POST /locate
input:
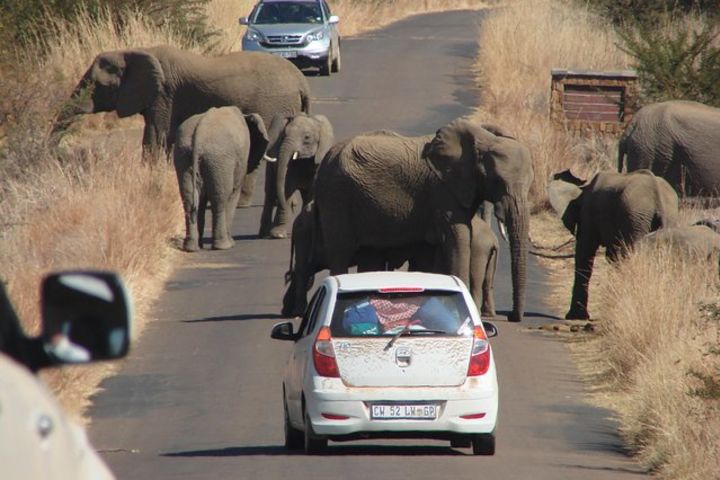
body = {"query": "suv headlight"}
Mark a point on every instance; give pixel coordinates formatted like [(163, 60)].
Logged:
[(253, 35), (316, 35)]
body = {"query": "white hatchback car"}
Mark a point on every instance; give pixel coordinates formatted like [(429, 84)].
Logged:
[(390, 355)]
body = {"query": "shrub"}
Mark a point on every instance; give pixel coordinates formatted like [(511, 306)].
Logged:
[(678, 61)]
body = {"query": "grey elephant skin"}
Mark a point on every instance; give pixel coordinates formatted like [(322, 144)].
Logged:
[(298, 143), (307, 258), (167, 85), (613, 210), (694, 240), (214, 153), (384, 190), (678, 141)]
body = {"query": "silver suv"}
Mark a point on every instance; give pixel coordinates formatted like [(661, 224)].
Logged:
[(303, 31)]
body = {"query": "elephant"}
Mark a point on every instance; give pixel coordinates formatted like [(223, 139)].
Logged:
[(167, 85), (679, 141), (384, 190), (614, 210), (307, 258), (698, 240), (215, 151), (298, 143)]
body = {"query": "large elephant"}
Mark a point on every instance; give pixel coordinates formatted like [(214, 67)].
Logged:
[(214, 152), (614, 210), (167, 85), (678, 141), (298, 143), (382, 190), (307, 258)]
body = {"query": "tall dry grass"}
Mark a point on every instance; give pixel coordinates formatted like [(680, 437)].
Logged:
[(519, 45), (656, 357), (659, 344)]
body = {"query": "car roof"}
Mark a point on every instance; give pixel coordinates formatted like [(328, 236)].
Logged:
[(353, 282)]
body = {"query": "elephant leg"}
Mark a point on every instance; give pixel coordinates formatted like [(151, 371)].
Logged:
[(191, 204), (270, 201), (248, 189), (457, 251), (488, 286), (221, 240), (201, 211), (279, 229), (585, 249)]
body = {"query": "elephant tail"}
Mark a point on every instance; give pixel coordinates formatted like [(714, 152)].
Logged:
[(305, 101), (196, 152)]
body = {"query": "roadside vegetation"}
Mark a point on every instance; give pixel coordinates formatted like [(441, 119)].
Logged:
[(87, 203), (655, 356)]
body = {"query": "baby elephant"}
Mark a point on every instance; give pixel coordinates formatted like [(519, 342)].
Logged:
[(214, 151), (699, 240)]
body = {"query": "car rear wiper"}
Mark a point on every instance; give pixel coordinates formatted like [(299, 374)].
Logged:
[(407, 331)]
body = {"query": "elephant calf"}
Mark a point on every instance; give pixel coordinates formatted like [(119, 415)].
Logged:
[(696, 240), (298, 143), (214, 152), (614, 210), (307, 257)]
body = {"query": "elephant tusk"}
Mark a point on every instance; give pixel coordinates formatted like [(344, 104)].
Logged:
[(503, 230), (295, 155), (269, 159)]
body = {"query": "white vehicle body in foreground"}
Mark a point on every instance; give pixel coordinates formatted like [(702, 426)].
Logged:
[(419, 365)]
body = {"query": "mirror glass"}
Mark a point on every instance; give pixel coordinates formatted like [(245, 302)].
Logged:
[(86, 316), (283, 331), (490, 329)]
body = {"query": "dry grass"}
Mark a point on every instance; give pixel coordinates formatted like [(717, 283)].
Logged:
[(519, 46), (655, 358)]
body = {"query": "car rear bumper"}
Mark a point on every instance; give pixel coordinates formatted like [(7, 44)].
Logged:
[(355, 404)]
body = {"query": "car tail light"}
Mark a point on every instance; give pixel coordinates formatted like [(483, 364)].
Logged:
[(324, 354), (480, 353)]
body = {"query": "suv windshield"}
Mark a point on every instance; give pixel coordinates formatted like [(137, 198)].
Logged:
[(362, 314), (288, 12)]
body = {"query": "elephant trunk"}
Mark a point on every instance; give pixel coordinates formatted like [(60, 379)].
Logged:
[(518, 223), (286, 153), (80, 102)]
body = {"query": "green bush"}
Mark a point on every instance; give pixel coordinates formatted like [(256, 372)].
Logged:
[(676, 63), (624, 12)]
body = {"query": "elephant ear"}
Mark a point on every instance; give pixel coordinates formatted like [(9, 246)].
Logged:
[(275, 133), (141, 82), (258, 140), (564, 192), (327, 138)]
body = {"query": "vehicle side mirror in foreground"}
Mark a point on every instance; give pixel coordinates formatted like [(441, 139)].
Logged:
[(243, 20), (87, 316), (490, 329), (333, 19), (283, 331)]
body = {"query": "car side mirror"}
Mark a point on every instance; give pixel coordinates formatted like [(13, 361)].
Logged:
[(490, 329), (243, 20), (283, 331), (87, 316), (333, 19)]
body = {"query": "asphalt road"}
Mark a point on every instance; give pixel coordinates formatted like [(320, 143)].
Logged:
[(199, 397)]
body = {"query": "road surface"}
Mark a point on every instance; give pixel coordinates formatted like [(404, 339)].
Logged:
[(199, 397)]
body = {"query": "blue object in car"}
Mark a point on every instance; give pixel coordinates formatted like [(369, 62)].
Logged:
[(436, 316), (361, 319)]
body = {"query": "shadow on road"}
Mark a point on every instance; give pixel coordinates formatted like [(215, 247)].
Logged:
[(502, 314), (234, 318), (332, 450)]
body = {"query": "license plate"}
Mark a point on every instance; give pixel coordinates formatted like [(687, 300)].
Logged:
[(285, 54), (413, 412)]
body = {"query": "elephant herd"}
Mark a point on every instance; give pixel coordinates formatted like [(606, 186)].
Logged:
[(379, 199)]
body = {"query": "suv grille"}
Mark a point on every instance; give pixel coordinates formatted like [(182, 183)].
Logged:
[(279, 40)]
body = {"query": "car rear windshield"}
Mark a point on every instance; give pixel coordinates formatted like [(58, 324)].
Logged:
[(288, 12), (362, 314)]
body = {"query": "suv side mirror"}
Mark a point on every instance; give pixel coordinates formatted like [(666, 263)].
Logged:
[(243, 20), (283, 331), (333, 19), (86, 316)]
